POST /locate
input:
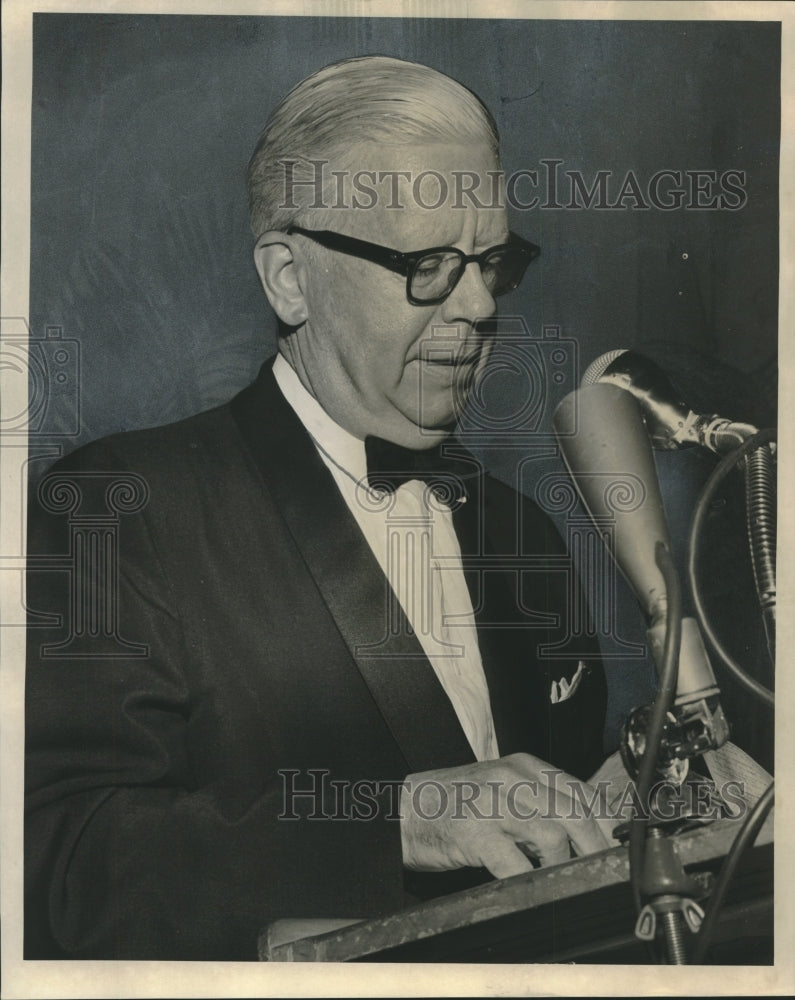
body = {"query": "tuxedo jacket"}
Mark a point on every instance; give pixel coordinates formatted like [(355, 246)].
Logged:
[(219, 710)]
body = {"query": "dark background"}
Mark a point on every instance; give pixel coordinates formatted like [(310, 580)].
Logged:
[(141, 253)]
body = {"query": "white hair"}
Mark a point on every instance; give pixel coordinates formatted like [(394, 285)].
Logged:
[(374, 99)]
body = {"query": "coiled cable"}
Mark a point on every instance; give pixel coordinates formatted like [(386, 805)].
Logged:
[(720, 472)]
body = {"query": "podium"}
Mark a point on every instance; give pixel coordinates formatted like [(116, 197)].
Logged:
[(580, 911)]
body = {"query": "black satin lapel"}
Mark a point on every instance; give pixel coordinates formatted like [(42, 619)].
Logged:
[(355, 590), (505, 648)]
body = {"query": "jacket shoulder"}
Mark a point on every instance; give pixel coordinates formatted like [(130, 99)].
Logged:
[(154, 449), (168, 474)]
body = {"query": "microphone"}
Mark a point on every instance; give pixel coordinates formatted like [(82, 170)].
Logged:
[(670, 421), (605, 445), (672, 424), (606, 449)]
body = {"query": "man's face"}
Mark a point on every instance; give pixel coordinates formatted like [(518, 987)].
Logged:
[(376, 363)]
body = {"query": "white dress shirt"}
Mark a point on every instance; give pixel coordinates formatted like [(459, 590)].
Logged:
[(411, 535)]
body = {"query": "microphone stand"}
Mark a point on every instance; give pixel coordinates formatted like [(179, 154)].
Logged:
[(611, 438), (656, 873)]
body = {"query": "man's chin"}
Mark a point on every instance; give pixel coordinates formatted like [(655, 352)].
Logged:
[(431, 436), (439, 414), (420, 437)]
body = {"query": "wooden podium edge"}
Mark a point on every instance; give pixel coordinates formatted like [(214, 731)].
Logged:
[(356, 939)]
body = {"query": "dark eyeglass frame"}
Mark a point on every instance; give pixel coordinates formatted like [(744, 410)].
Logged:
[(406, 263)]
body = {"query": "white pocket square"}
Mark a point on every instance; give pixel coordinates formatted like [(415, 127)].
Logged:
[(562, 690)]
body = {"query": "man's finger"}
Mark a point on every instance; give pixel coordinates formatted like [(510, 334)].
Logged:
[(586, 835), (557, 805), (549, 842), (607, 825), (503, 858), (573, 809)]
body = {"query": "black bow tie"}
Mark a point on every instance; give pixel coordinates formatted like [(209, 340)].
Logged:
[(390, 465)]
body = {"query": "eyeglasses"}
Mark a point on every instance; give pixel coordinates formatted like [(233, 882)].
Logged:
[(431, 275)]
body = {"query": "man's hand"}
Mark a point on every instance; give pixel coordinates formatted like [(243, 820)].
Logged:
[(477, 814)]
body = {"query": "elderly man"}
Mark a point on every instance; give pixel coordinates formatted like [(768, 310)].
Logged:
[(316, 686)]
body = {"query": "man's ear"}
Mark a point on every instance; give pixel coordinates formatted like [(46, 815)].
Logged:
[(278, 271)]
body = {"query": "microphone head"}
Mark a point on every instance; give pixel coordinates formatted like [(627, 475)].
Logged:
[(596, 369), (670, 421), (606, 448)]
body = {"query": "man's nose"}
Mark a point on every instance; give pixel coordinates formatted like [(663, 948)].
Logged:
[(470, 299)]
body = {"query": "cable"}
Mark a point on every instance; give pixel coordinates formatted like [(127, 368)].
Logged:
[(750, 828), (760, 509), (662, 704), (720, 472)]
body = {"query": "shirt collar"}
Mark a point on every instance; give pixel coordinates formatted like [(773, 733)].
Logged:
[(341, 447)]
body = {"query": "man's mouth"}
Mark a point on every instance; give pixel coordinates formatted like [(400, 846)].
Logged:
[(446, 361)]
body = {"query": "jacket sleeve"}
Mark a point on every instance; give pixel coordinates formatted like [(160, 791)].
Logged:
[(130, 851)]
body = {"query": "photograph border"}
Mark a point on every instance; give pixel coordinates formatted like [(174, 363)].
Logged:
[(21, 979)]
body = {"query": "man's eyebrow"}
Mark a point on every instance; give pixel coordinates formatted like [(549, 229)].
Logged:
[(500, 241)]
